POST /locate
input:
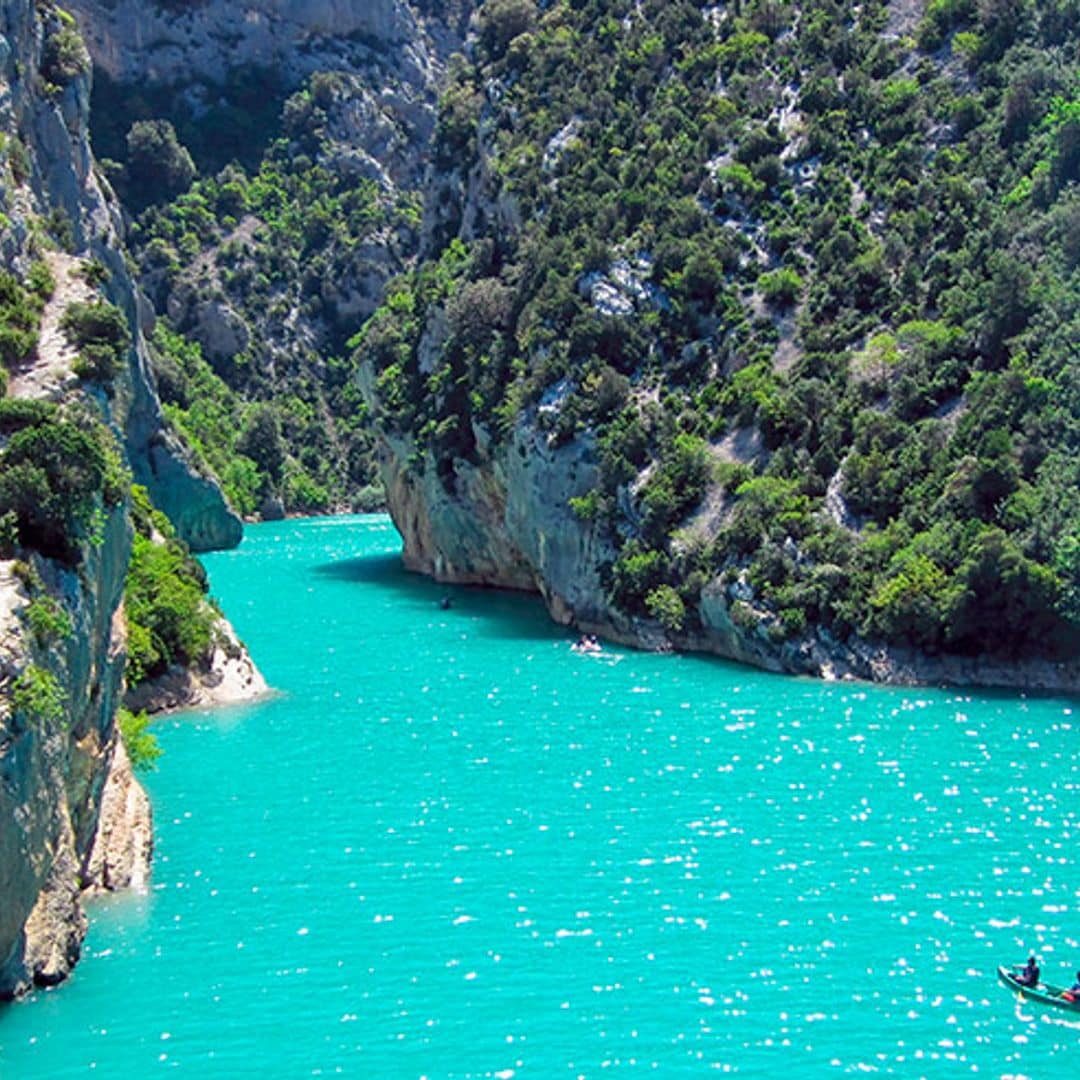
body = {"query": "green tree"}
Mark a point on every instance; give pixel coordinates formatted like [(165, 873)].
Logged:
[(158, 166), (666, 606), (262, 442), (913, 604), (37, 696), (169, 621), (141, 745), (503, 20), (64, 56), (1007, 603)]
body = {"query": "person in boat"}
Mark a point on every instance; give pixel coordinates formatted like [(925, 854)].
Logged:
[(1073, 993), (1029, 975), (587, 643)]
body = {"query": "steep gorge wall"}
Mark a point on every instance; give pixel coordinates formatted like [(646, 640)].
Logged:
[(72, 817), (479, 508), (392, 51), (134, 41), (58, 836), (505, 521)]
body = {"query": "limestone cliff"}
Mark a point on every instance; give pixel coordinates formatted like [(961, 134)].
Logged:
[(640, 367), (71, 816), (134, 41), (390, 52), (507, 522), (56, 759)]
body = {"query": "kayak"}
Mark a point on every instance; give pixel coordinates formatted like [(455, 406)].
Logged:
[(1044, 993)]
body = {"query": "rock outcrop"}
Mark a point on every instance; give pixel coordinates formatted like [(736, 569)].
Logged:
[(227, 677), (120, 857), (135, 41), (72, 818), (57, 765), (505, 521)]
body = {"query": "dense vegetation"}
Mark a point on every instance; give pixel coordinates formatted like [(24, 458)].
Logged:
[(271, 260), (851, 246), (100, 332), (60, 472), (169, 619)]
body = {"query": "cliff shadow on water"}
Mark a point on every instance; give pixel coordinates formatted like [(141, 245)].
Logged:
[(503, 613)]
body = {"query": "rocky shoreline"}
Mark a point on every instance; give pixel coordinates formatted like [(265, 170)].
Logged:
[(228, 677), (508, 524)]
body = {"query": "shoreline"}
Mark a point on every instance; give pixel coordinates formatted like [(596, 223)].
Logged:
[(230, 677), (816, 655)]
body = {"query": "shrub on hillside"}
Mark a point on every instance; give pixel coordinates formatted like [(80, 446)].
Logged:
[(101, 333), (56, 475), (141, 745), (169, 619), (37, 697), (64, 56), (48, 621), (159, 165), (20, 313)]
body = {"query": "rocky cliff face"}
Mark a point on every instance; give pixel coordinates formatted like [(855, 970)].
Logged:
[(61, 833), (390, 50), (506, 521), (72, 817), (134, 41), (616, 378)]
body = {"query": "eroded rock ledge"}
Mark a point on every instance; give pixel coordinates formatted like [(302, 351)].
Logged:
[(120, 857), (505, 521), (229, 677)]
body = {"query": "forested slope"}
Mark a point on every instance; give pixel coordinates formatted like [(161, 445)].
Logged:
[(800, 280), (274, 189)]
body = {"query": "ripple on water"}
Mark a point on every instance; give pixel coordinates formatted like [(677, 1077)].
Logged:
[(454, 848)]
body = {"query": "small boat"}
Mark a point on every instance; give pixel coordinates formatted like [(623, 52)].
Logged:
[(587, 643), (1044, 993)]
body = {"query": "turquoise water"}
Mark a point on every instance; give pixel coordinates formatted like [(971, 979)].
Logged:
[(453, 848)]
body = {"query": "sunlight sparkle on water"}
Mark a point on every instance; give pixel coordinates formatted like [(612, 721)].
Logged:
[(453, 848)]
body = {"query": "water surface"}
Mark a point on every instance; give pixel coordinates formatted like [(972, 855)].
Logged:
[(453, 848)]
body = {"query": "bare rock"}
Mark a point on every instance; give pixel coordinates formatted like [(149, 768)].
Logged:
[(220, 330), (133, 40), (57, 924), (230, 677), (120, 857)]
